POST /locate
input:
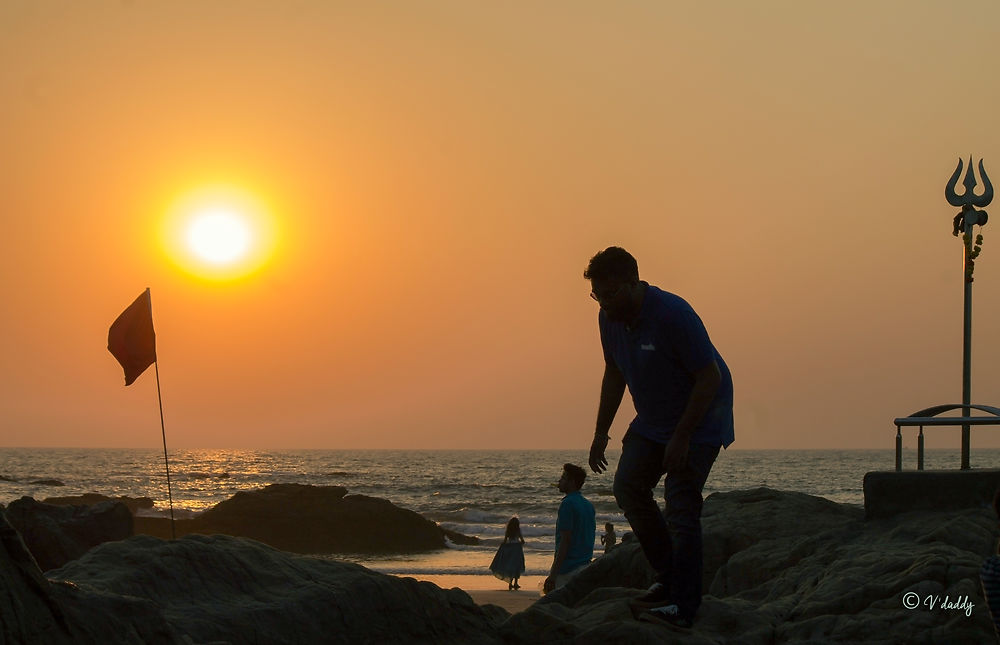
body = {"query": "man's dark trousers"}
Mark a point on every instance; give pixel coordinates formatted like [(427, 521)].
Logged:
[(671, 540)]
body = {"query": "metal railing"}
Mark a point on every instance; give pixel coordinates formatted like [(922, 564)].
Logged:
[(928, 417)]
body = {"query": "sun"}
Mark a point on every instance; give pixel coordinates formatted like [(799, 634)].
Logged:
[(219, 233), (219, 236)]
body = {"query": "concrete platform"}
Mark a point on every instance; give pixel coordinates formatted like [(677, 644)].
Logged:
[(888, 493)]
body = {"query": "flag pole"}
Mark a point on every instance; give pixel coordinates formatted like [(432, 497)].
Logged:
[(173, 532), (163, 431)]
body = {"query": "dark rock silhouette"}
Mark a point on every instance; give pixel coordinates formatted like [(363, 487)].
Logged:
[(88, 499), (224, 589), (57, 534), (787, 568), (47, 482), (34, 610), (313, 519)]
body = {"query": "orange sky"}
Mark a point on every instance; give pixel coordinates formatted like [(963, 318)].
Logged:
[(440, 174)]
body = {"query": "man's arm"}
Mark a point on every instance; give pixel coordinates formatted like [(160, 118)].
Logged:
[(557, 561), (706, 384), (612, 391)]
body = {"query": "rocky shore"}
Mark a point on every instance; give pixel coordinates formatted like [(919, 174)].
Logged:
[(780, 567), (313, 519), (291, 517)]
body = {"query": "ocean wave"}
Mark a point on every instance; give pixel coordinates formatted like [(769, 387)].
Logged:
[(180, 513), (496, 512), (197, 475), (462, 547), (473, 515)]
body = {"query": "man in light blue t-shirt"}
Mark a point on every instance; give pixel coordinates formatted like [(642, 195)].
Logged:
[(575, 529)]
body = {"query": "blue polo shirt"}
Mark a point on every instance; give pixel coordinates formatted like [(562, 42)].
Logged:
[(576, 514), (659, 357)]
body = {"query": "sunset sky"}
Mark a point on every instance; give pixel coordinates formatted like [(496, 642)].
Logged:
[(426, 182)]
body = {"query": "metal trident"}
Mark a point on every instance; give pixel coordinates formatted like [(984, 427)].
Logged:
[(969, 198), (968, 217)]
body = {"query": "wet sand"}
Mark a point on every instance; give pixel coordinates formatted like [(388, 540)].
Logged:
[(488, 590), (512, 601)]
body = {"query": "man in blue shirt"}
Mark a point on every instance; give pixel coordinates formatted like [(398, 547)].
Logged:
[(656, 345), (576, 527)]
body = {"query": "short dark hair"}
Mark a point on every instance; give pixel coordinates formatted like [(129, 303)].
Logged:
[(615, 263), (577, 474)]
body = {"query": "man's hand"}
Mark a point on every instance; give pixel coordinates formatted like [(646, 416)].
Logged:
[(675, 456), (598, 463), (550, 583)]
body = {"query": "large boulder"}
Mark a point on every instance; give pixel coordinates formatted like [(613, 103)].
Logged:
[(134, 504), (794, 569), (219, 588), (27, 611), (57, 534), (34, 610), (731, 522), (313, 519)]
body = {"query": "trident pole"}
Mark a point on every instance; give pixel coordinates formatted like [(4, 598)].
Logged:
[(964, 223), (966, 344)]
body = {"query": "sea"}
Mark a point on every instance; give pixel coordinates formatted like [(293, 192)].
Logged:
[(474, 492)]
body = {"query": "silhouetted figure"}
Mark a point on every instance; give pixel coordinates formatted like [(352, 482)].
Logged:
[(575, 530), (608, 539), (508, 563), (656, 344)]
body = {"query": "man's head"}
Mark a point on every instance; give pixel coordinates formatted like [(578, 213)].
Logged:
[(614, 282), (572, 478)]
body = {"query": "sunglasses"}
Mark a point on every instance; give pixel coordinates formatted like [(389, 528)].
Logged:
[(606, 297)]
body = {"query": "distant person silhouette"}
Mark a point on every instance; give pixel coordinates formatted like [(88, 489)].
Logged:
[(608, 539), (575, 530), (655, 344), (508, 563)]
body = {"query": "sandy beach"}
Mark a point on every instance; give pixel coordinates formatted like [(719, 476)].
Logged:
[(512, 601), (489, 590)]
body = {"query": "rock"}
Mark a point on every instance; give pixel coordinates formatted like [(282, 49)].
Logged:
[(89, 499), (220, 588), (604, 616), (735, 521), (731, 522), (28, 613), (33, 610), (47, 482), (58, 534), (314, 519), (793, 569)]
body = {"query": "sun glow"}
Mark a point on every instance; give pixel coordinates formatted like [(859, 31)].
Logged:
[(219, 236), (219, 233)]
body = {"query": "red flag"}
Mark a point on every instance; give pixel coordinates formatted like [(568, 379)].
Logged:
[(131, 339)]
